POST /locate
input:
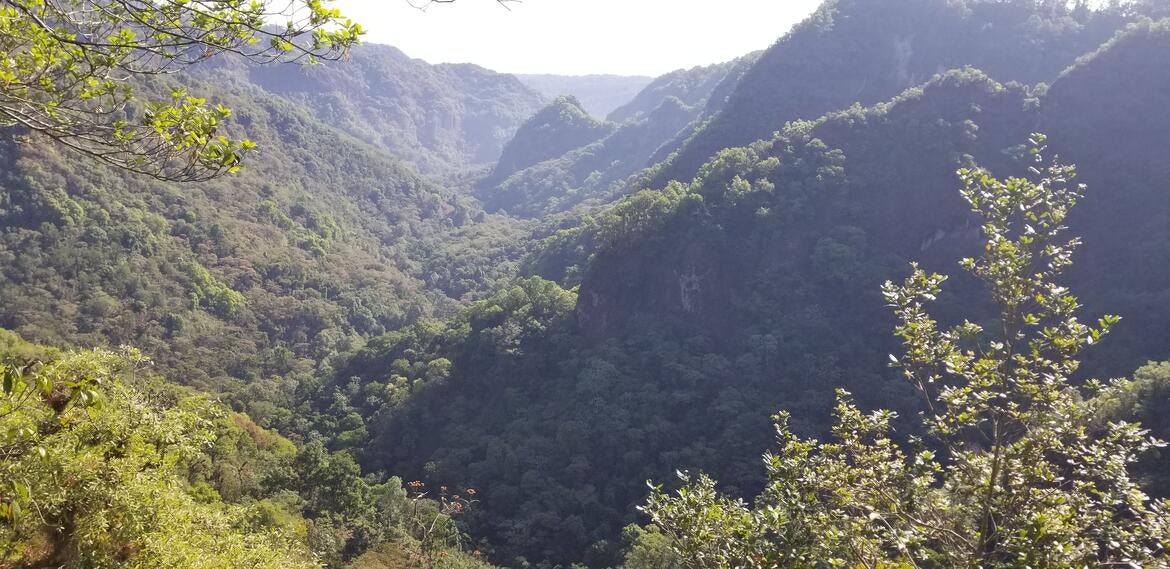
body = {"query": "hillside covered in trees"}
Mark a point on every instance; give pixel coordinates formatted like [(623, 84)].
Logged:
[(440, 319), (596, 168)]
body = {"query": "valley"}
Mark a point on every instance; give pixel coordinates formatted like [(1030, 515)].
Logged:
[(447, 317)]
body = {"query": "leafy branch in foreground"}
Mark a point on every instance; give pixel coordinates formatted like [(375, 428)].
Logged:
[(1013, 476), (70, 70)]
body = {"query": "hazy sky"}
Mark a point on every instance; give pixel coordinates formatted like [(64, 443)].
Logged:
[(576, 37)]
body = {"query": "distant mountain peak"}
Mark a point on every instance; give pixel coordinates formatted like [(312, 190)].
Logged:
[(556, 129)]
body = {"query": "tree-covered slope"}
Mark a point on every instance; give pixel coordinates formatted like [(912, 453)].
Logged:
[(1100, 112), (660, 361), (690, 86), (599, 94), (267, 272), (649, 127), (891, 198), (705, 307), (1015, 467), (558, 128), (868, 51), (590, 171), (442, 118), (371, 315), (107, 465)]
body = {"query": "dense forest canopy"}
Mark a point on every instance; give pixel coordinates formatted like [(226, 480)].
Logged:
[(377, 313)]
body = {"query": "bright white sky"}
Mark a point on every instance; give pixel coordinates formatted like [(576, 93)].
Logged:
[(578, 37)]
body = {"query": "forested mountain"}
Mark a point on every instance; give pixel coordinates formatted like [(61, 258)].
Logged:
[(125, 469), (588, 171), (866, 51), (705, 306), (693, 87), (599, 94), (246, 288), (327, 240), (649, 128), (441, 118), (428, 273), (978, 120), (233, 281), (558, 128)]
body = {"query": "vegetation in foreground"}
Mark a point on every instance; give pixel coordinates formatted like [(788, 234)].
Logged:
[(299, 291), (105, 464), (1015, 470)]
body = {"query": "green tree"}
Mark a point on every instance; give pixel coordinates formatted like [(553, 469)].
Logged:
[(90, 471), (1013, 475), (648, 548), (1146, 399), (72, 67)]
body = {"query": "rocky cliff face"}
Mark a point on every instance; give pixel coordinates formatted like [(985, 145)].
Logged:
[(688, 286)]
